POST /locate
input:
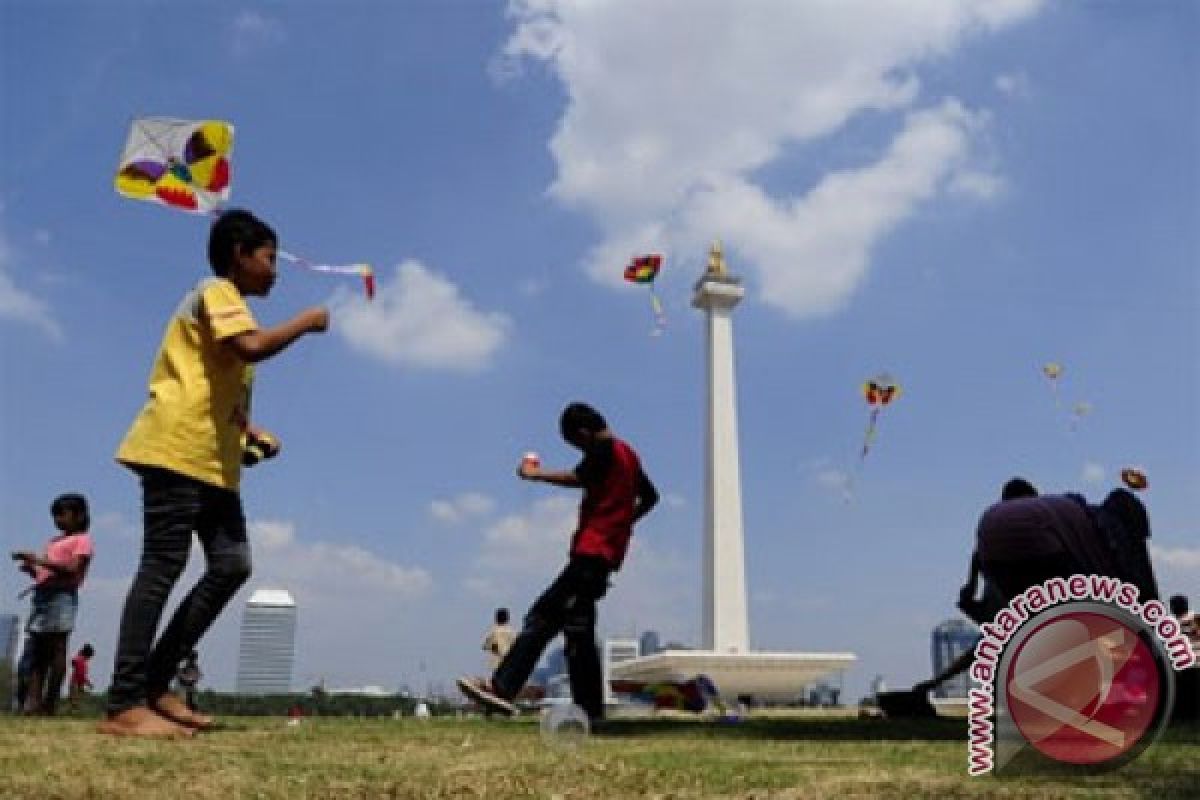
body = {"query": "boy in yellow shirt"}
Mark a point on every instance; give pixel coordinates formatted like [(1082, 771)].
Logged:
[(186, 447)]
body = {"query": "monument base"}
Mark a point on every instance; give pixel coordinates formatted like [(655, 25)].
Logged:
[(767, 676)]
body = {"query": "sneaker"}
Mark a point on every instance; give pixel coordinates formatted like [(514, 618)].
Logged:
[(482, 692)]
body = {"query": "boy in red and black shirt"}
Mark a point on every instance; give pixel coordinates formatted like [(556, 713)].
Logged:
[(616, 494)]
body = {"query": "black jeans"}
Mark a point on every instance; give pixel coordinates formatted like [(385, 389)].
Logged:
[(567, 606), (174, 506)]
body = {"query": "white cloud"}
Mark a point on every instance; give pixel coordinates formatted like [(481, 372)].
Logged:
[(1178, 558), (305, 568), (253, 31), (669, 155), (1013, 84), (461, 507), (20, 306), (420, 319), (1093, 473)]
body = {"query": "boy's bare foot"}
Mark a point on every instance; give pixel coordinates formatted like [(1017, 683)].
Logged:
[(141, 721), (174, 709)]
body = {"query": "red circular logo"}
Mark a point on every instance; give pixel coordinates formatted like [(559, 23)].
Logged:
[(1083, 688)]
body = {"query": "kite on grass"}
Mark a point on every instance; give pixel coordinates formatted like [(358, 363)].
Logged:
[(644, 269), (693, 695), (185, 164)]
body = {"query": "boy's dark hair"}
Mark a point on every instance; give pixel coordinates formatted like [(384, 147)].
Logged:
[(1018, 487), (1178, 604), (501, 616), (70, 501), (580, 416), (86, 651), (233, 229)]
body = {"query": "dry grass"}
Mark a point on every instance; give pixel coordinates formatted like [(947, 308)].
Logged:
[(774, 757)]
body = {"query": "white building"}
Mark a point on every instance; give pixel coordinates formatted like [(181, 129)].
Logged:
[(268, 643), (615, 651)]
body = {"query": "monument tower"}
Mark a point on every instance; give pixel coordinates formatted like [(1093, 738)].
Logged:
[(725, 655), (724, 626)]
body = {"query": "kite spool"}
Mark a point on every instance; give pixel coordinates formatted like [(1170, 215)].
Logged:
[(258, 448)]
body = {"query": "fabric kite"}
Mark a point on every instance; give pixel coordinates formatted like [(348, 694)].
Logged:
[(644, 270), (879, 392), (1134, 478), (185, 164), (177, 162)]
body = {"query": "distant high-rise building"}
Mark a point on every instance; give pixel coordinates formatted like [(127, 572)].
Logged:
[(268, 643), (616, 651), (648, 643), (950, 639)]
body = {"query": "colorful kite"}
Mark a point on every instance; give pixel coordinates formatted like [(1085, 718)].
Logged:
[(185, 164), (644, 269), (879, 392), (177, 162), (1134, 478)]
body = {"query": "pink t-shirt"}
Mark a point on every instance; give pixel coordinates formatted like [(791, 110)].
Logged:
[(61, 550)]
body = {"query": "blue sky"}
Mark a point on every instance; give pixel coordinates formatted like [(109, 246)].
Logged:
[(955, 193)]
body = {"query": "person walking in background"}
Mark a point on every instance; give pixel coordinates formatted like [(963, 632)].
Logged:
[(79, 684), (187, 446), (499, 638), (189, 677), (58, 573), (616, 494)]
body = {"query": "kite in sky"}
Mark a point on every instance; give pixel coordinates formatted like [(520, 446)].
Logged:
[(185, 164), (1134, 478), (644, 269), (1078, 412), (177, 162), (1053, 371), (879, 392)]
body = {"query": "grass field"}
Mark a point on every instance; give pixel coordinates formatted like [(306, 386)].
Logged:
[(770, 757)]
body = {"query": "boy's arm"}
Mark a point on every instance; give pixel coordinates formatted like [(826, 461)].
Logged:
[(557, 477), (647, 496), (262, 343), (71, 566)]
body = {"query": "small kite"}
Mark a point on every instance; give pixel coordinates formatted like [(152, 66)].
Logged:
[(879, 392), (1134, 478), (1078, 412), (644, 269), (1053, 371), (177, 162)]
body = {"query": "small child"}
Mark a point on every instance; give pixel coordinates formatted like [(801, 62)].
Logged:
[(79, 684), (186, 446), (57, 574)]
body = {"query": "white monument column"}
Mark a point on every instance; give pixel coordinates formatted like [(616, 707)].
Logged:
[(724, 625)]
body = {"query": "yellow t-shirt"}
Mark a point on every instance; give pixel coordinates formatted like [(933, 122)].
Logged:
[(199, 391)]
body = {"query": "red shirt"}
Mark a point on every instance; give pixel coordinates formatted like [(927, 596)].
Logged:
[(610, 475), (79, 675)]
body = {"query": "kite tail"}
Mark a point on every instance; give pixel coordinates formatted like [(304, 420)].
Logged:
[(362, 270), (660, 317)]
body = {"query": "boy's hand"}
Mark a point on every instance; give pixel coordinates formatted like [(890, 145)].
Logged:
[(26, 556), (316, 319)]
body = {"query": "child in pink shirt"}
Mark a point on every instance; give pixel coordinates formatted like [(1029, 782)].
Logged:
[(57, 574)]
